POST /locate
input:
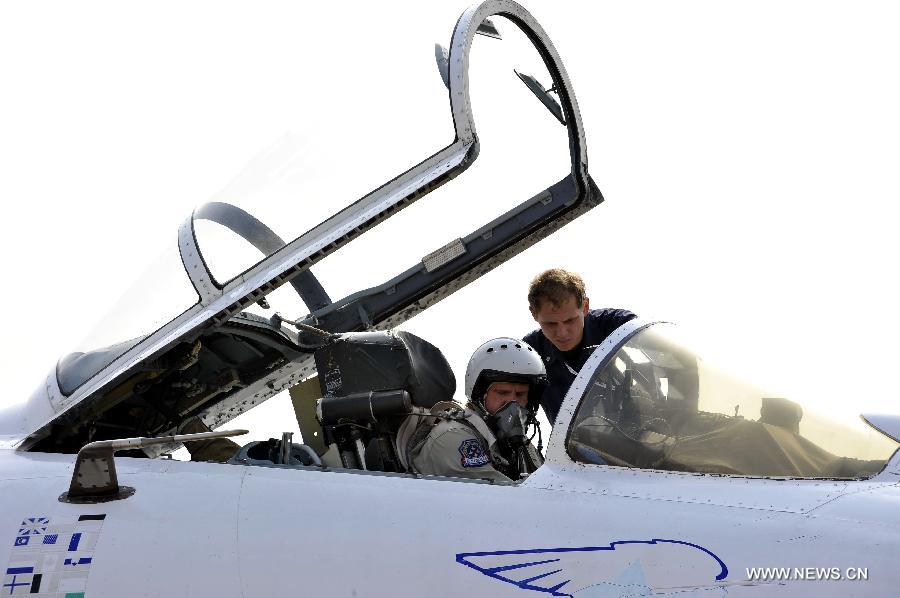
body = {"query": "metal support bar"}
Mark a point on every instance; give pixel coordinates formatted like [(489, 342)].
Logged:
[(94, 478)]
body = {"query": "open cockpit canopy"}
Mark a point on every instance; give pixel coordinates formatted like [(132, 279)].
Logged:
[(321, 229)]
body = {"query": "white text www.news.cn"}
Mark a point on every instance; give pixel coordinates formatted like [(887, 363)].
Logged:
[(807, 574)]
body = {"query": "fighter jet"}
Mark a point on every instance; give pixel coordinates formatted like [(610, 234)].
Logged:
[(664, 473)]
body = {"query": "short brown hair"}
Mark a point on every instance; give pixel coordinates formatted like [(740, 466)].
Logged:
[(556, 286)]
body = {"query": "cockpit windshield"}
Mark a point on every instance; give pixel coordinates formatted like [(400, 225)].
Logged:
[(657, 404)]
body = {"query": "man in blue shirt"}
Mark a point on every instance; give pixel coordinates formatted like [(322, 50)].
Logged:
[(559, 305)]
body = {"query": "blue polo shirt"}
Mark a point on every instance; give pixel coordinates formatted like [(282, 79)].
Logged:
[(598, 324)]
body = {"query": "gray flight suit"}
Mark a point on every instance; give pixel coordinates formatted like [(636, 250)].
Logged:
[(452, 444)]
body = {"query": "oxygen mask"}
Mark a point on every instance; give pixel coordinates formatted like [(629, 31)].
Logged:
[(510, 423)]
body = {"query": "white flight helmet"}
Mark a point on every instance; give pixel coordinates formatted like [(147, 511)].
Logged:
[(505, 360)]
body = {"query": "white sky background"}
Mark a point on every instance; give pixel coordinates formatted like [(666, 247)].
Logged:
[(748, 154)]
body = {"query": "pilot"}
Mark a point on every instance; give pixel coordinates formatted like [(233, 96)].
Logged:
[(486, 439), (559, 305)]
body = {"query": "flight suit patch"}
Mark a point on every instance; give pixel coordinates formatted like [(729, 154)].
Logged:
[(473, 454)]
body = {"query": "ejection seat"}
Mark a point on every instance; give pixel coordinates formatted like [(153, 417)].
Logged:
[(373, 382)]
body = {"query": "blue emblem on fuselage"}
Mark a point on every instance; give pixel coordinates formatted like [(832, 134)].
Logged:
[(569, 571)]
